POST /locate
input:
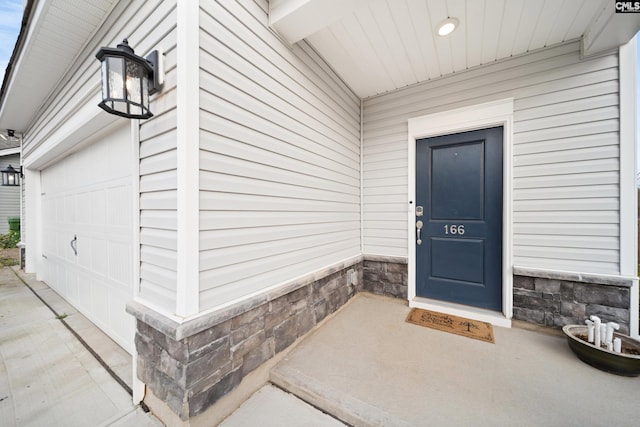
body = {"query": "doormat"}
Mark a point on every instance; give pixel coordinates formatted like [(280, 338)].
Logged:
[(482, 331)]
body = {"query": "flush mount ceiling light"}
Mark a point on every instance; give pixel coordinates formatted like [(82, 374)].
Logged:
[(11, 136), (447, 26)]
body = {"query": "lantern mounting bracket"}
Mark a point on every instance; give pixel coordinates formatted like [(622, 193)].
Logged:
[(157, 78)]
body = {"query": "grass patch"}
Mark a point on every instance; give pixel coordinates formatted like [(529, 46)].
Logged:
[(9, 240), (61, 316), (8, 262)]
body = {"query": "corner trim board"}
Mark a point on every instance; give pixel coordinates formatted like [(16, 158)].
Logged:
[(188, 161)]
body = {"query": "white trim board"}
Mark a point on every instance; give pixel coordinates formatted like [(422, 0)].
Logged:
[(10, 151), (480, 116), (628, 171), (138, 387), (188, 161), (628, 190)]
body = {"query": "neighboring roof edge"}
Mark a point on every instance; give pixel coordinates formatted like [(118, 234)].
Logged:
[(9, 151), (27, 15)]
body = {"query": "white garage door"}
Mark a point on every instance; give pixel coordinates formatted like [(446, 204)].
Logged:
[(87, 232)]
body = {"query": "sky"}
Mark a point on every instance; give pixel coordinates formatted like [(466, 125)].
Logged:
[(10, 20)]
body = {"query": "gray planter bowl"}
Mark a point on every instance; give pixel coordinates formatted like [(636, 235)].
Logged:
[(616, 363)]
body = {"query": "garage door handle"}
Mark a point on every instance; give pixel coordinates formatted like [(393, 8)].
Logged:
[(74, 244)]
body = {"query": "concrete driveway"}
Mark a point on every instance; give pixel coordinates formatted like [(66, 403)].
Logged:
[(47, 376)]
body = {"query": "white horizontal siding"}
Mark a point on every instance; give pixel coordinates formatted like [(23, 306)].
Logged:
[(565, 156), (279, 157), (9, 195), (158, 187), (148, 25)]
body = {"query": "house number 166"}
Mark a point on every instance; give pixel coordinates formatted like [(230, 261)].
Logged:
[(454, 229)]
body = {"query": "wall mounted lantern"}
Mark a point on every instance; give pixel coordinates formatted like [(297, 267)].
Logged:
[(128, 80), (11, 176)]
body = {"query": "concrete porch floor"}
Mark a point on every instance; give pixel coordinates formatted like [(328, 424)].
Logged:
[(367, 367)]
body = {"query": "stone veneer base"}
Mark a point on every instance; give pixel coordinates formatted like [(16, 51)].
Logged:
[(558, 298), (190, 366)]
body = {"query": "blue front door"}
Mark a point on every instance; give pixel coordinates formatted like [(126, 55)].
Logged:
[(459, 218)]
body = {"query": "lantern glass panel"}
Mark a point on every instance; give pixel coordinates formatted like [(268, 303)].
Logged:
[(115, 68), (105, 86), (133, 82), (145, 91)]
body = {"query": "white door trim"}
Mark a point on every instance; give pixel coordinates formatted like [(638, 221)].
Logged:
[(480, 116)]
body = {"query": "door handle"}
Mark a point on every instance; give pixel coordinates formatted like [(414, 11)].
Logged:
[(419, 225), (74, 244)]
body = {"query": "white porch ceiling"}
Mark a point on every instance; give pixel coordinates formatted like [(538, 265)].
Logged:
[(57, 32), (378, 46)]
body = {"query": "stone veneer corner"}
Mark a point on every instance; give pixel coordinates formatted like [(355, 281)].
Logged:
[(190, 366)]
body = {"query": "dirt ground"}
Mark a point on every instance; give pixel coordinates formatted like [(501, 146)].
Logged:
[(9, 256)]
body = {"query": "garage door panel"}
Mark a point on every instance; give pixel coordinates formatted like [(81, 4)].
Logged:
[(61, 238), (89, 195), (83, 205), (83, 246), (99, 304), (121, 325), (61, 277), (48, 245), (71, 283), (48, 211), (84, 293), (118, 206), (59, 213), (119, 263), (70, 208), (99, 256), (98, 207)]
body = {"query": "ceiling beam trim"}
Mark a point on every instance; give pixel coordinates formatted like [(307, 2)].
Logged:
[(295, 20), (609, 30)]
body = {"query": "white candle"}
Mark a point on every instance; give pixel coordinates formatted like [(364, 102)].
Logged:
[(596, 324), (611, 326), (609, 338), (589, 330), (617, 345)]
